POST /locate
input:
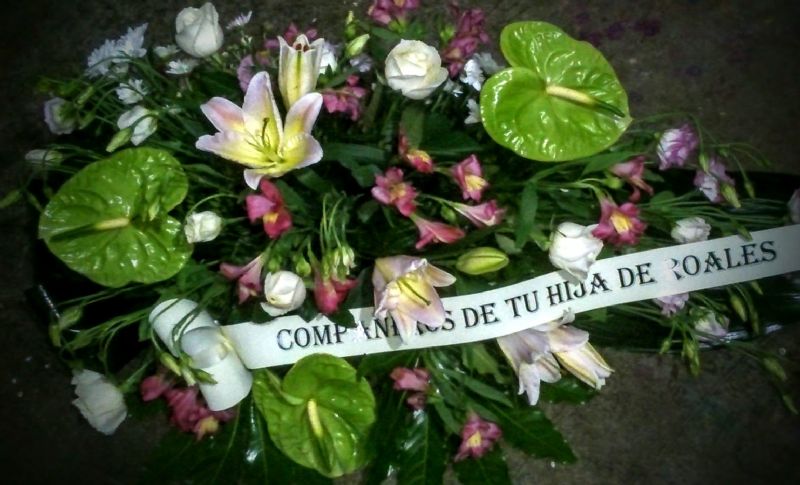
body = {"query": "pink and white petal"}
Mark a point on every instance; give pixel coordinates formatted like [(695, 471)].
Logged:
[(438, 277), (259, 105), (405, 324), (549, 371), (223, 114), (564, 338), (257, 206), (529, 382), (232, 146), (431, 314), (252, 176), (302, 115)]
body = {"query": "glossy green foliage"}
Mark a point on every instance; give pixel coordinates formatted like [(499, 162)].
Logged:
[(110, 221)]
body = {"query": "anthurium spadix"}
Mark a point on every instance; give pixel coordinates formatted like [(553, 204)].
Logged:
[(298, 68), (255, 135)]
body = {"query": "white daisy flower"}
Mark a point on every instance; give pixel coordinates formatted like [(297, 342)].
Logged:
[(164, 51), (132, 91), (472, 75), (487, 63), (453, 88), (240, 21), (180, 67), (474, 112), (113, 55)]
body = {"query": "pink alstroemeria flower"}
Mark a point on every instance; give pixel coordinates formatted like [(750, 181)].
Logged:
[(477, 437), (153, 387), (470, 33), (632, 172), (468, 174), (419, 159), (329, 292), (405, 288), (482, 215), (345, 100), (386, 11), (390, 189), (248, 277), (432, 231), (619, 224), (709, 182), (675, 147), (255, 136), (190, 413), (268, 206), (412, 380)]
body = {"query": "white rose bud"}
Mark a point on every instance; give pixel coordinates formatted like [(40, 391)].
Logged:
[(197, 30), (99, 401), (141, 120), (202, 227), (415, 69), (284, 292), (574, 249), (59, 116), (691, 229)]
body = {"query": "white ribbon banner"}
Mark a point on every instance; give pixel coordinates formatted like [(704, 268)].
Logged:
[(503, 311)]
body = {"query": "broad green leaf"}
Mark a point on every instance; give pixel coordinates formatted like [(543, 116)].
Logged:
[(529, 430), (477, 357), (412, 122), (240, 452), (490, 468), (559, 100), (320, 415), (109, 221), (393, 416), (422, 456), (526, 217)]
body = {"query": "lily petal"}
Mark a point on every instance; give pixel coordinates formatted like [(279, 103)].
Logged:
[(232, 146), (302, 115), (259, 105), (223, 114), (298, 152)]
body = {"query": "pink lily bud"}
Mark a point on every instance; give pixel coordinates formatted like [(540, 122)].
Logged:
[(482, 215)]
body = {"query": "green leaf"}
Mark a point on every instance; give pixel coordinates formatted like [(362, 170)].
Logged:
[(529, 430), (526, 218), (490, 468), (392, 417), (362, 161), (603, 161), (442, 140), (412, 122), (109, 221), (320, 415), (567, 389), (476, 357), (237, 454), (380, 365), (521, 109), (422, 457)]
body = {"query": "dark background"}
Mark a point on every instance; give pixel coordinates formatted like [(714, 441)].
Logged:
[(733, 64)]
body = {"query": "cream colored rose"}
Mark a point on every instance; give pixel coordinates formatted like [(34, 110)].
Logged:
[(99, 401), (202, 227), (415, 69), (574, 249), (691, 229), (284, 292), (197, 30)]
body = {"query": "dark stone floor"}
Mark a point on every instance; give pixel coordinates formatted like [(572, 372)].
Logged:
[(734, 64)]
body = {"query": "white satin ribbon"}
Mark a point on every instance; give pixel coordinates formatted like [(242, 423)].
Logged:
[(225, 351)]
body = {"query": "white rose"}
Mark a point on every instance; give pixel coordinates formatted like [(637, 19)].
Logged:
[(691, 229), (202, 226), (141, 119), (99, 401), (574, 249), (414, 68), (197, 30), (59, 116), (284, 292), (794, 207)]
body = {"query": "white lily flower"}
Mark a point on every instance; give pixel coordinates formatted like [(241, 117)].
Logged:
[(405, 288), (298, 68), (255, 136)]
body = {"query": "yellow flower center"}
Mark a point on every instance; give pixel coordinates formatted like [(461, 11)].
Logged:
[(474, 182), (474, 441), (270, 217), (397, 191), (621, 222)]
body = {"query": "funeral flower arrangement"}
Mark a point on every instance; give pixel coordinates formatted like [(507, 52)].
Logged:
[(276, 234)]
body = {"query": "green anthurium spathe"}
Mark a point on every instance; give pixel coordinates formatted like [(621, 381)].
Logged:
[(559, 100), (109, 221), (320, 415)]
